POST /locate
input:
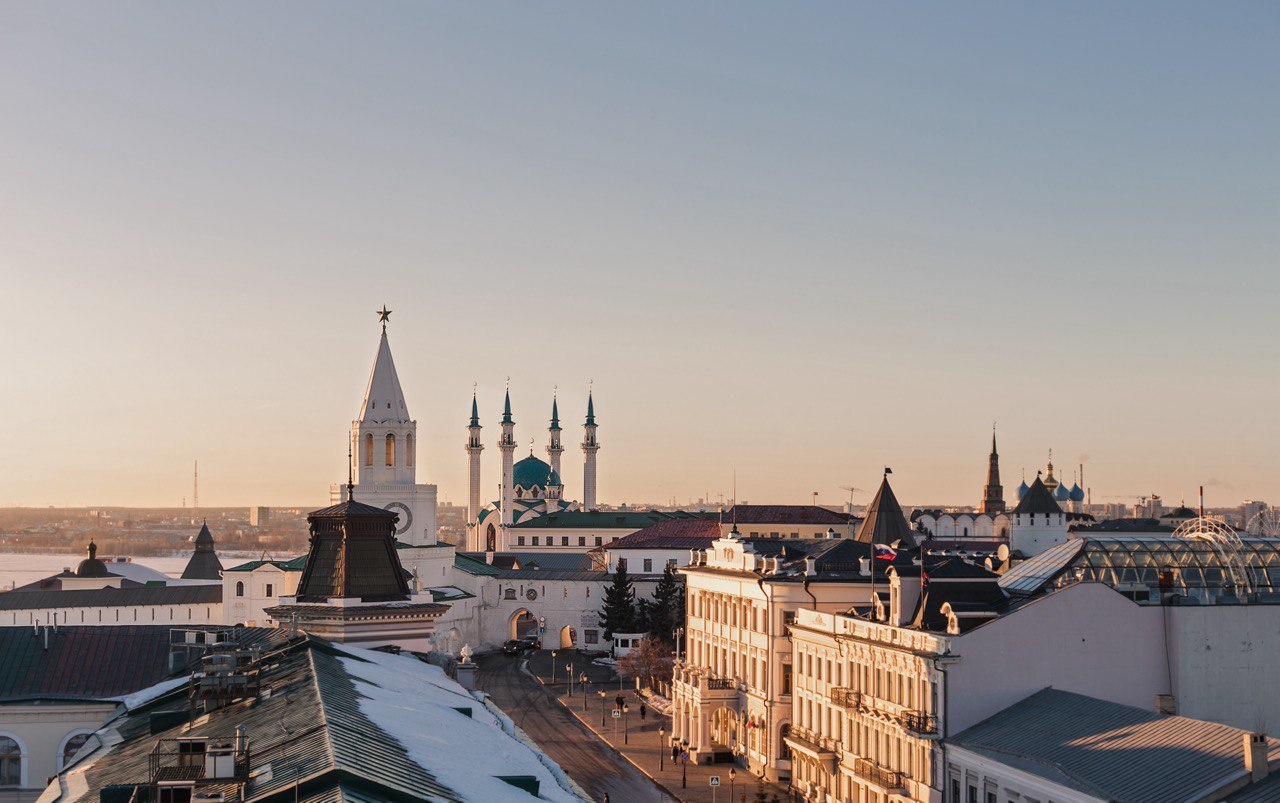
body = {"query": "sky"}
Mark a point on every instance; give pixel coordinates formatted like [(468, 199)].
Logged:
[(787, 244)]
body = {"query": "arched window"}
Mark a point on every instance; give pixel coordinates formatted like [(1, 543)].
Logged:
[(784, 749), (10, 762), (491, 539), (70, 746), (408, 449), (391, 449), (368, 449), (240, 588)]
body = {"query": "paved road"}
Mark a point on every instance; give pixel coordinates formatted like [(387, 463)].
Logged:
[(594, 766)]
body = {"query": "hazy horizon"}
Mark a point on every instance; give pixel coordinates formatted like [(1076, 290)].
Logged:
[(795, 244)]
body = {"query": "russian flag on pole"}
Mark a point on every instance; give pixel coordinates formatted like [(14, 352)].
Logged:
[(885, 552)]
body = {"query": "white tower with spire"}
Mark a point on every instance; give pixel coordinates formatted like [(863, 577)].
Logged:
[(474, 448), (383, 452), (589, 448), (507, 445), (554, 447)]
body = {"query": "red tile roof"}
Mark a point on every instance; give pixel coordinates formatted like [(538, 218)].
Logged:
[(671, 534), (784, 514)]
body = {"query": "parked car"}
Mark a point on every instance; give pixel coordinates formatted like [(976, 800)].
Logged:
[(532, 642), (513, 647)]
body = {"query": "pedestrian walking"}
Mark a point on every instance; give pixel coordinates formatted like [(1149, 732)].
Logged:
[(675, 753), (642, 712)]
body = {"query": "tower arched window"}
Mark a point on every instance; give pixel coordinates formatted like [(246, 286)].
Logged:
[(368, 449), (391, 449), (240, 589), (408, 449)]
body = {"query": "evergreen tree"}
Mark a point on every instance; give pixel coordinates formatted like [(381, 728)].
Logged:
[(644, 616), (667, 611), (619, 612)]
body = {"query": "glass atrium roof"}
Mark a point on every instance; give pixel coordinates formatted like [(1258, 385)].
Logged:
[(1198, 570)]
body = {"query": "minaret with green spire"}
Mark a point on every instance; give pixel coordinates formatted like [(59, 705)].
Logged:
[(474, 448), (507, 445), (589, 448), (554, 447)]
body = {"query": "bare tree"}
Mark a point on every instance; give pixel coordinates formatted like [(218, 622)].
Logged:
[(650, 660)]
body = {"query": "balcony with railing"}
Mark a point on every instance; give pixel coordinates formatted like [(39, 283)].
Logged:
[(814, 745), (919, 723), (847, 699), (883, 777), (200, 760)]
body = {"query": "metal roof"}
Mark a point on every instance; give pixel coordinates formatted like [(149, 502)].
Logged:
[(309, 728), (108, 597), (89, 662), (885, 522), (1112, 751), (671, 534), (784, 514)]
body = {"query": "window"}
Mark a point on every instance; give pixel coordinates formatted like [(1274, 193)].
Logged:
[(176, 794), (598, 540), (408, 449), (368, 449), (70, 747), (973, 794), (535, 540), (648, 565), (591, 636), (564, 540), (784, 749), (10, 762), (671, 563), (270, 590), (955, 790), (786, 678), (622, 565), (510, 593), (391, 449), (519, 540), (240, 588), (582, 540)]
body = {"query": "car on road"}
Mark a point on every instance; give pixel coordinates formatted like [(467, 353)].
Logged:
[(512, 647), (532, 642)]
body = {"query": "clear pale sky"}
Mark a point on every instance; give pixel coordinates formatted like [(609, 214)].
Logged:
[(799, 242)]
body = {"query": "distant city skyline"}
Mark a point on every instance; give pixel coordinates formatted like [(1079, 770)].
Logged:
[(798, 247)]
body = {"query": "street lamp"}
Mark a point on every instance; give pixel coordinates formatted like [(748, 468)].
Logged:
[(684, 763), (568, 673), (553, 667), (662, 748), (601, 693), (582, 688), (732, 774), (626, 731)]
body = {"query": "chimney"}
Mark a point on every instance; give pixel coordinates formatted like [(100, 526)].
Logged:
[(46, 638), (864, 566), (488, 557), (1255, 756), (810, 567)]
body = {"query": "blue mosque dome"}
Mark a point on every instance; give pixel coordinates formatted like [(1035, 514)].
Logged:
[(530, 472), (1022, 489), (1077, 493)]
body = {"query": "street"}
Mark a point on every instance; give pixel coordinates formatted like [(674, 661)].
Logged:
[(589, 762)]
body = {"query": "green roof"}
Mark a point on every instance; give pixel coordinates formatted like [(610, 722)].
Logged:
[(294, 565), (475, 567)]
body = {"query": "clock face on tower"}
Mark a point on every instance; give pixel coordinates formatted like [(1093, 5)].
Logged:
[(406, 516)]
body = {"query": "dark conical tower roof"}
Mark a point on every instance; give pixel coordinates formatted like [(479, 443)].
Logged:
[(204, 563), (1038, 499), (352, 555), (885, 522)]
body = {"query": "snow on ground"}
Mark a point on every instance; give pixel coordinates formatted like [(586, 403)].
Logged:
[(414, 702), (605, 662), (657, 702)]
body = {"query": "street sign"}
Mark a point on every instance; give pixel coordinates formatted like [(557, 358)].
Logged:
[(684, 755), (715, 780), (617, 714)]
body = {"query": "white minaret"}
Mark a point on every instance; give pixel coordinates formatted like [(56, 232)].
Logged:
[(589, 448), (507, 445), (474, 448), (383, 452), (554, 448)]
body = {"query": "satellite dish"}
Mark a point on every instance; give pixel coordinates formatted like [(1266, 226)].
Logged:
[(1002, 553)]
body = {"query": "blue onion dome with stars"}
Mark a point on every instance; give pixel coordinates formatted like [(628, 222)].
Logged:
[(1077, 493), (1022, 489)]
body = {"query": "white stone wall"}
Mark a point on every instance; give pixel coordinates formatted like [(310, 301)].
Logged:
[(262, 588), (42, 730), (196, 614)]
